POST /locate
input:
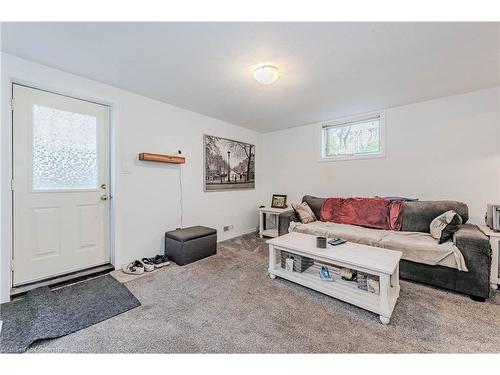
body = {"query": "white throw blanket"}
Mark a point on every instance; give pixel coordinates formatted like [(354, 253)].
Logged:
[(416, 246)]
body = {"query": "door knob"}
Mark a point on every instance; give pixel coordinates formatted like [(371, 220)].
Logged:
[(104, 197)]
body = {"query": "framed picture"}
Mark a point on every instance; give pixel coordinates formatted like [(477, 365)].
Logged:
[(279, 201), (228, 164)]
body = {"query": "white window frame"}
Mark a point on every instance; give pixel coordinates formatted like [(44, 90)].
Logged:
[(323, 126)]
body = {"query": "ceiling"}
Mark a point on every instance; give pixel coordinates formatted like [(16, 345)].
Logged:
[(328, 70)]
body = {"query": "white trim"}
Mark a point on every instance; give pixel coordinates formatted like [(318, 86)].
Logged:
[(238, 234), (6, 235), (6, 178), (352, 120), (344, 121)]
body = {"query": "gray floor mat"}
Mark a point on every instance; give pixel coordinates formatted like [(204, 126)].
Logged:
[(44, 314)]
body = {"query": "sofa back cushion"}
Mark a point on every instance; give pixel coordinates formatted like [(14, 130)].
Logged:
[(314, 203), (417, 215)]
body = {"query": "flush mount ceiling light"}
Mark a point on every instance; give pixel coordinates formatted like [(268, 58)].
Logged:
[(266, 74)]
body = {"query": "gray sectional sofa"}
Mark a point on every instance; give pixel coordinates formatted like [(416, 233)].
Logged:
[(417, 216)]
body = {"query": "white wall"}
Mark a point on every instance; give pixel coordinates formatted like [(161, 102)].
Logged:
[(448, 148), (146, 200)]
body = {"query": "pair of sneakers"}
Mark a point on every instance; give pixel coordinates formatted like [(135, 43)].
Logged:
[(157, 261), (138, 267)]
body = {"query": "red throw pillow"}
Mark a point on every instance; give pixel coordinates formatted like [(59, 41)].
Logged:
[(368, 212), (396, 214)]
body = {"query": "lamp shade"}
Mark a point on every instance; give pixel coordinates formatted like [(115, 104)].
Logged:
[(266, 74)]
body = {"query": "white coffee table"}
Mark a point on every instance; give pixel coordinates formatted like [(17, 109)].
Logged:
[(367, 259)]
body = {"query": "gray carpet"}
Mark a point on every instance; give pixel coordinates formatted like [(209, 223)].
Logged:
[(228, 304), (44, 314)]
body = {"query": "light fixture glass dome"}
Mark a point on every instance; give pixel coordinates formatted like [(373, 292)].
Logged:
[(266, 74)]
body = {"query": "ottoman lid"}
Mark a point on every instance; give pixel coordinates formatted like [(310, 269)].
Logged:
[(190, 233)]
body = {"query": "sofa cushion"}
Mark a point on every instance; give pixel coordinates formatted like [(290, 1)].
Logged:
[(353, 233), (417, 216), (423, 248), (416, 247), (443, 226)]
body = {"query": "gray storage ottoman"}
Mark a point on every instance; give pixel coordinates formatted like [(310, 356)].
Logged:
[(188, 245)]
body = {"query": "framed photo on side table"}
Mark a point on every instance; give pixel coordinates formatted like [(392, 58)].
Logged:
[(279, 201)]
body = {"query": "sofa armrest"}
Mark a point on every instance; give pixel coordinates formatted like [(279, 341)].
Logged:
[(470, 239), (475, 247), (284, 219)]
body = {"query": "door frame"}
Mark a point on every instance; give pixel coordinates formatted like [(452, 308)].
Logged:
[(7, 167)]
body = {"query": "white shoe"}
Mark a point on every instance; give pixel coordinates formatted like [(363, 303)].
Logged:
[(134, 268), (148, 264)]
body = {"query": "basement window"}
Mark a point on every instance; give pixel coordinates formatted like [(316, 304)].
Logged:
[(360, 137)]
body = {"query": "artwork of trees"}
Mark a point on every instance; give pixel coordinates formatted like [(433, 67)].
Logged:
[(228, 164)]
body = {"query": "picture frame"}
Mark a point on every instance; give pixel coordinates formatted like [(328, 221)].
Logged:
[(228, 164), (278, 201)]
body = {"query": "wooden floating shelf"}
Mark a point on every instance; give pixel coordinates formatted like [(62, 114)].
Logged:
[(159, 158)]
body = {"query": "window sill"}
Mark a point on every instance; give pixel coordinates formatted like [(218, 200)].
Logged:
[(352, 157)]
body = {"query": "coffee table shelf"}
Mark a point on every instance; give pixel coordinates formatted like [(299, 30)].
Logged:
[(367, 259), (337, 288)]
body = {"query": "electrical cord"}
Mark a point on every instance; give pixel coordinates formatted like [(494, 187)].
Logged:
[(180, 196)]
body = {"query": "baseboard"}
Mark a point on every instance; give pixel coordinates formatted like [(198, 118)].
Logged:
[(238, 234)]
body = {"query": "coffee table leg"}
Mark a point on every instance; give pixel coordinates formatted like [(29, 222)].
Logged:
[(385, 320), (385, 284), (272, 261), (395, 277)]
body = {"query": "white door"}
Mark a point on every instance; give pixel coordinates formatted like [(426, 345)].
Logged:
[(60, 184)]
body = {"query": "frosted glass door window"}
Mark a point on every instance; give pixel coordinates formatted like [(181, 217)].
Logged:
[(64, 150)]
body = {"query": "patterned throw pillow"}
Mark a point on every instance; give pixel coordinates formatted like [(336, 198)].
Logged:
[(304, 212), (443, 226)]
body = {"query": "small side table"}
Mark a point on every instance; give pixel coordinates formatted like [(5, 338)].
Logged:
[(271, 232), (494, 243)]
